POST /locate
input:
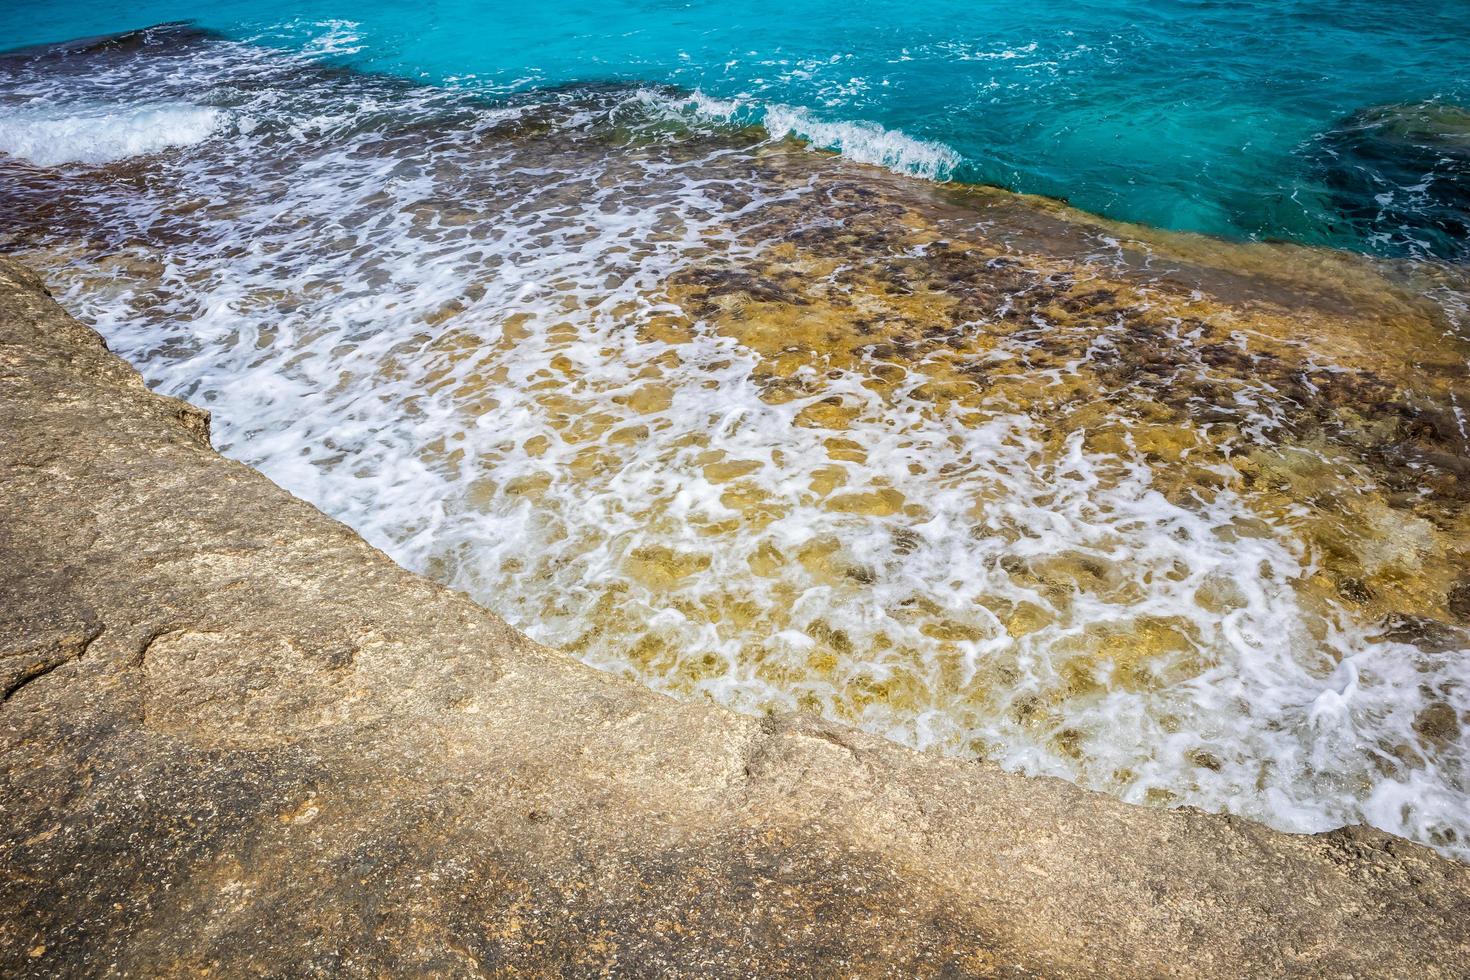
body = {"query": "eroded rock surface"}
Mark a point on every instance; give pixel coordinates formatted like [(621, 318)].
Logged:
[(237, 739)]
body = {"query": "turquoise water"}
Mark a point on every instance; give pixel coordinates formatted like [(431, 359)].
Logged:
[(1243, 119)]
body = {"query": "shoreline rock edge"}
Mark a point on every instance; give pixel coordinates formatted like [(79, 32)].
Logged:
[(239, 740)]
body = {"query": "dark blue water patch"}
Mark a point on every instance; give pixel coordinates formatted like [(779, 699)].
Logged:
[(1399, 175)]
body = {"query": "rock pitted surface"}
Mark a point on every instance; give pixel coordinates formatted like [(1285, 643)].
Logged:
[(237, 739)]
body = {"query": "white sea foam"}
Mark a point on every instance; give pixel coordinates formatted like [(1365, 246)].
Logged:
[(334, 38), (865, 142), (446, 339), (50, 136), (857, 140)]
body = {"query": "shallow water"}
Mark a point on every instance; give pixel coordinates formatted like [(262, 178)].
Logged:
[(1244, 118), (1176, 519)]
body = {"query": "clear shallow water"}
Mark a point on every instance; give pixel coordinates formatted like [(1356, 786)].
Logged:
[(747, 422), (1242, 119)]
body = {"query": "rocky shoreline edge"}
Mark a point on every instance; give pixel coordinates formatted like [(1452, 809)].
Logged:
[(239, 740)]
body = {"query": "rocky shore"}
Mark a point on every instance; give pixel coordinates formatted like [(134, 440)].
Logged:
[(238, 740)]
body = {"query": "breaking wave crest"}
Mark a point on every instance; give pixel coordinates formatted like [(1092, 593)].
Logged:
[(857, 140), (50, 137)]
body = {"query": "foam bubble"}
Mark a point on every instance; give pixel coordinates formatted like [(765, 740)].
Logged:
[(50, 136)]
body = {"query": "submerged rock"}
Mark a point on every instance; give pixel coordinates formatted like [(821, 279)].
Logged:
[(236, 739), (1402, 173)]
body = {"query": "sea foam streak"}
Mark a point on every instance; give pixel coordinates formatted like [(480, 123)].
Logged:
[(595, 375)]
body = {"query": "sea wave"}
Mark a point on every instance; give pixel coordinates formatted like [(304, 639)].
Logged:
[(53, 136), (859, 140)]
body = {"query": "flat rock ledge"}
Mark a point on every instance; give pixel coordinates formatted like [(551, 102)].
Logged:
[(238, 740)]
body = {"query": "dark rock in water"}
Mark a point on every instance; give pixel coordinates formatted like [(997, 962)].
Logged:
[(1427, 634), (1458, 599), (1438, 723), (174, 34), (1401, 174)]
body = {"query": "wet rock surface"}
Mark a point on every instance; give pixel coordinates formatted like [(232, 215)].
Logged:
[(237, 739), (1176, 519)]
